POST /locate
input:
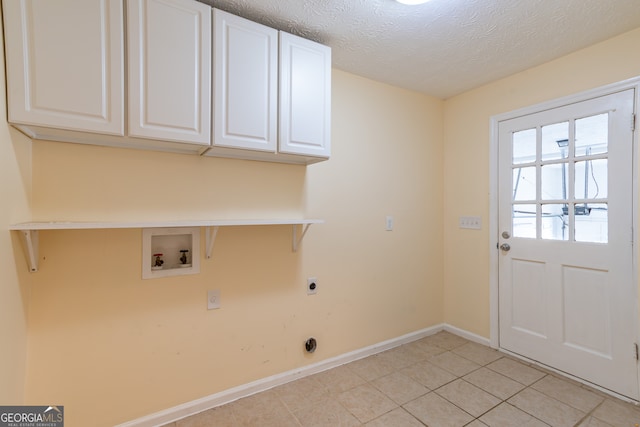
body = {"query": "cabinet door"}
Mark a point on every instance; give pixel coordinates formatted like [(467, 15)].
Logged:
[(169, 56), (65, 64), (246, 78), (305, 97)]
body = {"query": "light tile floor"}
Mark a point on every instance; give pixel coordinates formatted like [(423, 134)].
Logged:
[(442, 380)]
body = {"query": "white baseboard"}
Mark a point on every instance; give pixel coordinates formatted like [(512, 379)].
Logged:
[(468, 335), (194, 407)]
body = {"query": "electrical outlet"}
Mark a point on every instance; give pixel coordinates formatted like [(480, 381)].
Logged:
[(213, 299), (389, 223), (312, 286), (471, 222)]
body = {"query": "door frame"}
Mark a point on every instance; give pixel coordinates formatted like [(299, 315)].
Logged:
[(633, 83)]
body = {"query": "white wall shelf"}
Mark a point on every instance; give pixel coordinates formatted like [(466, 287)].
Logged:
[(29, 230)]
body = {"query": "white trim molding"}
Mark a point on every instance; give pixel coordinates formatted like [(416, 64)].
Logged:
[(227, 396), (467, 335)]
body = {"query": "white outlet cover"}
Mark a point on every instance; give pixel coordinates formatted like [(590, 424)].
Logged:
[(213, 299), (389, 223)]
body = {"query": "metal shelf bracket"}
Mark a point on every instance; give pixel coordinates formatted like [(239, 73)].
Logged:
[(296, 241), (210, 238), (30, 243)]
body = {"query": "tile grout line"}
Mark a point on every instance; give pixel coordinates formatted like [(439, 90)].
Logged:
[(480, 366), (589, 414), (493, 407), (505, 401), (401, 406)]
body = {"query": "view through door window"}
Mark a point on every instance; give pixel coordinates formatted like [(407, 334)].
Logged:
[(560, 181)]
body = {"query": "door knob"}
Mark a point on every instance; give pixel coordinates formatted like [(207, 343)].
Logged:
[(505, 247)]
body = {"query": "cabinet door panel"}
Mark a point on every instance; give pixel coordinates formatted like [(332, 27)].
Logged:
[(65, 70), (170, 70), (305, 97), (246, 70)]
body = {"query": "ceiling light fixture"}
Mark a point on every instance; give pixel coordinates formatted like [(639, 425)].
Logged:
[(412, 2)]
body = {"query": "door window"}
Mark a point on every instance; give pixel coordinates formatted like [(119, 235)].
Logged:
[(560, 184)]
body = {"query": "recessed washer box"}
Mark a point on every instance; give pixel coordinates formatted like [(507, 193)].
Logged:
[(171, 251)]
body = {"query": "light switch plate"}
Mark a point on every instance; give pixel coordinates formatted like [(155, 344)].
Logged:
[(213, 299), (470, 222)]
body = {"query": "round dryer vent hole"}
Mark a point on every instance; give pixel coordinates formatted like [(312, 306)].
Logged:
[(312, 286), (310, 345)]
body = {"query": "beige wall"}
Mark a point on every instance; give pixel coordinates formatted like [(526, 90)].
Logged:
[(99, 334), (466, 161), (15, 189)]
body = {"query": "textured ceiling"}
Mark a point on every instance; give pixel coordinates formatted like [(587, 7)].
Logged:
[(444, 47)]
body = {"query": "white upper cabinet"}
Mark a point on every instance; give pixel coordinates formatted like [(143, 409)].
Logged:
[(271, 96), (169, 53), (65, 64), (305, 97), (191, 79), (245, 88)]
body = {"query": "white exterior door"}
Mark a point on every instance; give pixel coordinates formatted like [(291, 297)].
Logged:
[(169, 70), (566, 293)]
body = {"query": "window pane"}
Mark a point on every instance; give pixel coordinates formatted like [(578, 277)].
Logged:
[(555, 222), (524, 146), (554, 182), (591, 179), (524, 221), (524, 183), (592, 135), (555, 141), (592, 223)]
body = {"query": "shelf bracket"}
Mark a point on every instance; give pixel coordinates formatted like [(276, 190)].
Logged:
[(296, 241), (30, 243), (210, 238)]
